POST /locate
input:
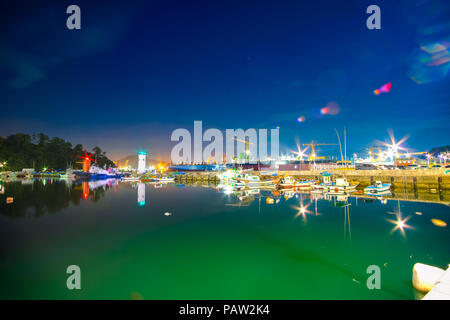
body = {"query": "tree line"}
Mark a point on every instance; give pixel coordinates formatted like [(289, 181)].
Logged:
[(38, 151)]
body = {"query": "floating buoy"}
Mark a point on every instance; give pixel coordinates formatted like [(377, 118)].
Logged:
[(9, 200), (425, 276), (439, 223), (167, 214), (269, 200)]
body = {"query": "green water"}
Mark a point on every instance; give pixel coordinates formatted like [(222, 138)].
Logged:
[(212, 246)]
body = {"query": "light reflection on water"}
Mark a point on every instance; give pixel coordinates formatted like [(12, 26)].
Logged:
[(215, 242)]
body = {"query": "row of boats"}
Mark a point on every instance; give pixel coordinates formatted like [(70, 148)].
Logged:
[(159, 179), (245, 180)]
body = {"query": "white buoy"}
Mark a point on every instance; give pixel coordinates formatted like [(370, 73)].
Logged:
[(425, 276)]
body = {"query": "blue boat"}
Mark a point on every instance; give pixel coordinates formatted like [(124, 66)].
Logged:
[(378, 187)]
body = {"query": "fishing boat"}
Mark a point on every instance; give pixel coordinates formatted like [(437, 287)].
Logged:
[(326, 181), (341, 185), (378, 187), (130, 178), (290, 182), (251, 181), (164, 179)]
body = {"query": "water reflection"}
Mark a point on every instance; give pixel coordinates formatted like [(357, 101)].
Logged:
[(141, 194), (36, 197)]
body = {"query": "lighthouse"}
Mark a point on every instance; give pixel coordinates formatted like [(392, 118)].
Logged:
[(141, 161)]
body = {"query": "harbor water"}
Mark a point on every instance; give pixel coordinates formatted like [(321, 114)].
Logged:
[(149, 241)]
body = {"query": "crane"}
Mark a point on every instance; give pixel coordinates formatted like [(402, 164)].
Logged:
[(247, 148), (313, 144)]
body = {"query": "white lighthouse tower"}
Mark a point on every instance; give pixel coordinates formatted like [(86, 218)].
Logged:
[(141, 161)]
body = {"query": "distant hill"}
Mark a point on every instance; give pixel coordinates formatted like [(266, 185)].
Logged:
[(438, 150), (133, 161)]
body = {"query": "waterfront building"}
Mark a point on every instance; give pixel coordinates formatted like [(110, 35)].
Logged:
[(142, 155)]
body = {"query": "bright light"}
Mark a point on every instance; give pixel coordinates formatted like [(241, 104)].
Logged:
[(300, 153), (400, 224), (394, 147), (302, 210)]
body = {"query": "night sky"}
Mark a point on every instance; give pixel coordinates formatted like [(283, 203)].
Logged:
[(138, 70)]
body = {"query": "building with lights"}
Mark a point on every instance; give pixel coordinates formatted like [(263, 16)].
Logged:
[(142, 155)]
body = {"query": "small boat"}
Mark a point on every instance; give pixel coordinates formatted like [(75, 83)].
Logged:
[(164, 179), (67, 175), (341, 185), (378, 187), (289, 182), (251, 181), (131, 178), (326, 181), (379, 195)]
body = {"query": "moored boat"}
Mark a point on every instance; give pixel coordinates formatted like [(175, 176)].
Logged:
[(130, 178), (326, 181), (164, 179), (341, 185), (290, 182), (252, 181), (378, 187)]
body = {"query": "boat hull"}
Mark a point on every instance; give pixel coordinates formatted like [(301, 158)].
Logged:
[(377, 189)]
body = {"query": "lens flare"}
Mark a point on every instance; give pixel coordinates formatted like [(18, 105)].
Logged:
[(384, 89), (430, 63), (332, 108), (400, 224)]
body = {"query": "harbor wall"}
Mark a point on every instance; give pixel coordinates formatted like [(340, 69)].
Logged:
[(431, 180)]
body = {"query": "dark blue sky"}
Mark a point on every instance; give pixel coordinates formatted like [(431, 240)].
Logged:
[(138, 70)]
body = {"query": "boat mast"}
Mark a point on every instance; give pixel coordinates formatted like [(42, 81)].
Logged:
[(345, 147)]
